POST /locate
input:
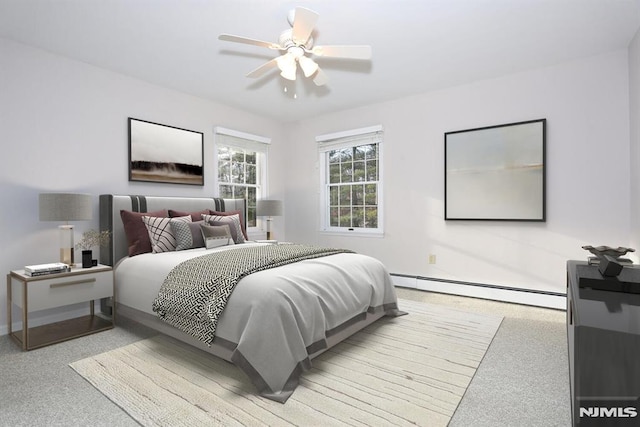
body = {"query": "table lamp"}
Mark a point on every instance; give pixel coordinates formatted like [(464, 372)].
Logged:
[(65, 207), (269, 208)]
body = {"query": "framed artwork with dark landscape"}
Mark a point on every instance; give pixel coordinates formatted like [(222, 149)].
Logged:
[(496, 173), (161, 153)]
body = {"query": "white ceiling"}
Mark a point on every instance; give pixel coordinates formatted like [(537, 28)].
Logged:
[(418, 45)]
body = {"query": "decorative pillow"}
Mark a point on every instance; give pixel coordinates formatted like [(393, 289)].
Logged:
[(188, 234), (160, 232), (243, 226), (232, 220), (136, 232), (232, 229), (195, 216), (216, 235)]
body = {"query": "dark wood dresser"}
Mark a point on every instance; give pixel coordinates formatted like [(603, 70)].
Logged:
[(603, 331)]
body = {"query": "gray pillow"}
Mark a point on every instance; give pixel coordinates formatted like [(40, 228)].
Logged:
[(232, 220), (188, 234), (216, 235)]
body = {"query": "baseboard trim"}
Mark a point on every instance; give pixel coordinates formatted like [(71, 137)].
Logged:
[(532, 297)]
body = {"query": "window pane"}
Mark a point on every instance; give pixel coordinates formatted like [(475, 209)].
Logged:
[(346, 170), (372, 151), (251, 157), (237, 156), (360, 152), (371, 218), (223, 154), (237, 170), (372, 170), (334, 173), (226, 191), (334, 156), (357, 195), (251, 196), (358, 217), (224, 171), (346, 154), (334, 192), (358, 172), (371, 194), (345, 217), (239, 192), (251, 174), (345, 195), (251, 217), (333, 217)]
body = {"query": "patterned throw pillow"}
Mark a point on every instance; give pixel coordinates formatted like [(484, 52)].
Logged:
[(232, 220), (188, 234), (160, 232), (216, 235), (240, 215)]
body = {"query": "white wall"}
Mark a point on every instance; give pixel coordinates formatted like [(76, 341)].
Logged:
[(63, 127), (634, 114), (586, 104)]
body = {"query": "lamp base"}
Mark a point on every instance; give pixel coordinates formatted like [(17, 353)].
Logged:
[(269, 232), (66, 245)]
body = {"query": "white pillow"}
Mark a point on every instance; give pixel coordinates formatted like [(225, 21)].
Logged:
[(160, 232)]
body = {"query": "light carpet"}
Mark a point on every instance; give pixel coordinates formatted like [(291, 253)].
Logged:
[(408, 370)]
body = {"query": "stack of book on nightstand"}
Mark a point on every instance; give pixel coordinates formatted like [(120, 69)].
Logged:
[(43, 269)]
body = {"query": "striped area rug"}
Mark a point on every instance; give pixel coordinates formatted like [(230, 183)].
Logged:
[(404, 371)]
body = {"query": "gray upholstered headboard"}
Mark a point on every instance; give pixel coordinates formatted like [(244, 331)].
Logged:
[(111, 205)]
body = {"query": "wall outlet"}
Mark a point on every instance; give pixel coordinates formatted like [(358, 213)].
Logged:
[(432, 258)]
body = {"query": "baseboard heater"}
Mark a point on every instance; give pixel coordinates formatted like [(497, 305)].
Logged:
[(533, 297)]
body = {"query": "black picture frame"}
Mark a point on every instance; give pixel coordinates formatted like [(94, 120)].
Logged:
[(496, 173), (165, 154)]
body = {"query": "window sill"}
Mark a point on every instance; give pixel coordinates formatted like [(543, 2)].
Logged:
[(354, 233)]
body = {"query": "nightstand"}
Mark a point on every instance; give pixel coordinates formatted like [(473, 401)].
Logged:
[(32, 294)]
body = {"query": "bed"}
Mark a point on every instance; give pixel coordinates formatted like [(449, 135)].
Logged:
[(276, 319)]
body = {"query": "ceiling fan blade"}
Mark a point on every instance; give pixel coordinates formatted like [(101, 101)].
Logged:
[(261, 70), (246, 40), (320, 78), (352, 52), (303, 22)]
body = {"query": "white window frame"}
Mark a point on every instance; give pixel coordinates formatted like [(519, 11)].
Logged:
[(351, 138), (242, 140)]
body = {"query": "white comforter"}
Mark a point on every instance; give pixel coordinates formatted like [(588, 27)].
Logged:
[(277, 316)]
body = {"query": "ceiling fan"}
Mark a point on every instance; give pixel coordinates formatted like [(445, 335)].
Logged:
[(296, 48)]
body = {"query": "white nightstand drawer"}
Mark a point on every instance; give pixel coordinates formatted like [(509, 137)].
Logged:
[(63, 290)]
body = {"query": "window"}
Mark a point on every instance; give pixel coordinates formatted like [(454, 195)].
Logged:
[(241, 168), (351, 177)]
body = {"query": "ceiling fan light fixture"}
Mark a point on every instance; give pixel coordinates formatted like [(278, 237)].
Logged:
[(287, 65), (295, 44), (289, 74), (308, 65)]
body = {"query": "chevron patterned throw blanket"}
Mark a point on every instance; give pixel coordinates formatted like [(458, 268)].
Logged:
[(196, 291)]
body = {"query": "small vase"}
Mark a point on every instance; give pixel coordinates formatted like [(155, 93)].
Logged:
[(87, 259)]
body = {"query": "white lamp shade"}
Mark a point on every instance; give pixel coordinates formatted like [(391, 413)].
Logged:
[(287, 64), (308, 65), (65, 207), (269, 208)]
